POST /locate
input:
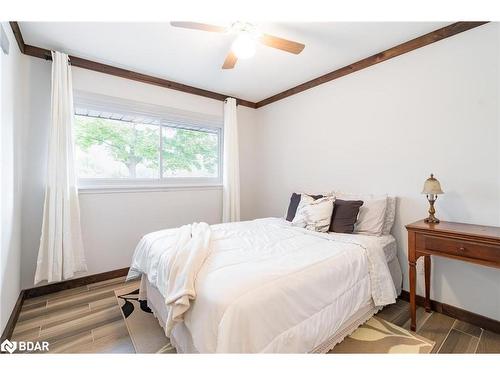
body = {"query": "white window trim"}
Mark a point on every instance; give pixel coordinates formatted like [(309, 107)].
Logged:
[(166, 117), (110, 189)]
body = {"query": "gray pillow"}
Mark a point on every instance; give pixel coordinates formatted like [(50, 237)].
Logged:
[(345, 214)]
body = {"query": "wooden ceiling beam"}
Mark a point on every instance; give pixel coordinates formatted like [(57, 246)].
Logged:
[(432, 37)]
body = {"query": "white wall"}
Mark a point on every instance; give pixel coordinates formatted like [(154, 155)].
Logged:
[(112, 223), (11, 117), (383, 130)]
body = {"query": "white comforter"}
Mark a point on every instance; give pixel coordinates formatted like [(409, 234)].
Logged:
[(266, 286)]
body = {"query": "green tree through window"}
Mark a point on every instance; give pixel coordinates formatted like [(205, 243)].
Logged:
[(112, 148)]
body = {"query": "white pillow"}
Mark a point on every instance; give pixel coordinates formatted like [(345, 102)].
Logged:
[(371, 215), (305, 199), (314, 214), (309, 195), (390, 213)]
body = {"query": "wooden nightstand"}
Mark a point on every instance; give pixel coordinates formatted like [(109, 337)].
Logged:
[(470, 243)]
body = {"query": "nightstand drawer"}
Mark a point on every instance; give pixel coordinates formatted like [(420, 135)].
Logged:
[(466, 249)]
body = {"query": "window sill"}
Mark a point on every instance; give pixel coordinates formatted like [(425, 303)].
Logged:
[(112, 189)]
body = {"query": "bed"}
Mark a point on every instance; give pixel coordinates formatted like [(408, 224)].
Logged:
[(267, 286)]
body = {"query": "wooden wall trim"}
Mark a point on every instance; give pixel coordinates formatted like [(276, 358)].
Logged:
[(79, 62), (17, 34), (11, 323), (432, 37), (74, 283), (457, 313)]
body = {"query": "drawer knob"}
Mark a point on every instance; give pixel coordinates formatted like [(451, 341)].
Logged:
[(461, 249)]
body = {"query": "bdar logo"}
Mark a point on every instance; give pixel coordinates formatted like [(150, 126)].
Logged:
[(8, 346)]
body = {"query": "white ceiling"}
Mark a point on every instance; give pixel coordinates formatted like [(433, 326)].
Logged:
[(195, 57)]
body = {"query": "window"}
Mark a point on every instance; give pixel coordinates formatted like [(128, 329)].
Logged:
[(150, 148)]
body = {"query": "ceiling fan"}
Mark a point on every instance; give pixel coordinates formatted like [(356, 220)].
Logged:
[(247, 37)]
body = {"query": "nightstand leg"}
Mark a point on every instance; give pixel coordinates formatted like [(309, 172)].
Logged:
[(413, 305), (427, 264)]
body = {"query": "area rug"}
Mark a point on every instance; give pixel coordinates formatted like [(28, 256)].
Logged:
[(143, 328), (375, 336), (379, 336)]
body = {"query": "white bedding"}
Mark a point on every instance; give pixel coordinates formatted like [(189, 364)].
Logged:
[(388, 243), (270, 287)]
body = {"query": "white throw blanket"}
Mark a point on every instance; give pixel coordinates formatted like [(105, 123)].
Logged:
[(183, 253)]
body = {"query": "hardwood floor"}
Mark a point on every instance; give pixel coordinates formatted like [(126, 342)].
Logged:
[(450, 335), (88, 320), (80, 320)]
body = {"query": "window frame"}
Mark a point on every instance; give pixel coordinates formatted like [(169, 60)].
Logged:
[(167, 117)]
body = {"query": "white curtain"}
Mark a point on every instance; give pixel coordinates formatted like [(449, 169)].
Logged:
[(231, 173), (60, 254)]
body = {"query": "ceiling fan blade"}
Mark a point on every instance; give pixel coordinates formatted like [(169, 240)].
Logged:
[(282, 44), (230, 61), (200, 26)]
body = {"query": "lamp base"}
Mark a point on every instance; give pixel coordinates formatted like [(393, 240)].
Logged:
[(431, 220)]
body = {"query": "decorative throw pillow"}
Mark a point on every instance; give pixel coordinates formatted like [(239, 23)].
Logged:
[(313, 214), (371, 214), (345, 214), (390, 213), (294, 204)]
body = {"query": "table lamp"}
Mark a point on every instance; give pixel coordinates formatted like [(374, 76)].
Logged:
[(432, 189)]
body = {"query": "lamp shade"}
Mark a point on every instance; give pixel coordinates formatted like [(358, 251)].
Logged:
[(432, 186)]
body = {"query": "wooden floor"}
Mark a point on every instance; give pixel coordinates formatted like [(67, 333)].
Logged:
[(80, 320), (88, 320), (450, 335)]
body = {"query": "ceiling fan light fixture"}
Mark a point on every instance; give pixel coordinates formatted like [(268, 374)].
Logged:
[(244, 45), (246, 35)]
